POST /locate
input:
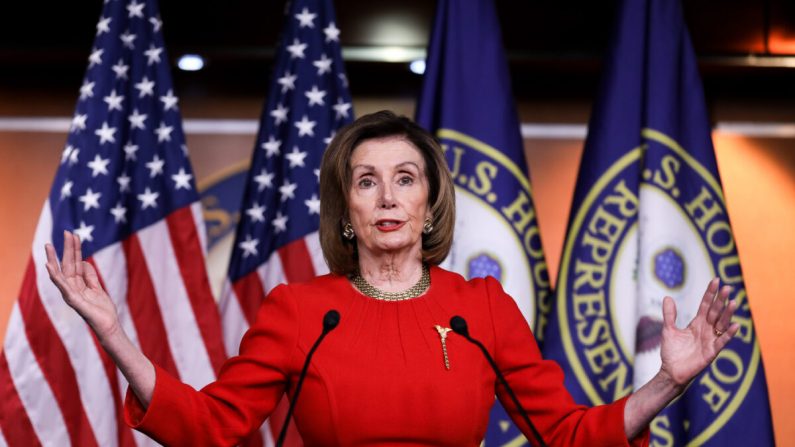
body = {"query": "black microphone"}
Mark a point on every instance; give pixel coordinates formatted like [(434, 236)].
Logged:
[(330, 321), (459, 326)]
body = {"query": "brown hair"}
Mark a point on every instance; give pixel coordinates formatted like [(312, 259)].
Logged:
[(335, 179)]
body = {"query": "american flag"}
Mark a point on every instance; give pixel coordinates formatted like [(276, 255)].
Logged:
[(277, 239), (126, 187)]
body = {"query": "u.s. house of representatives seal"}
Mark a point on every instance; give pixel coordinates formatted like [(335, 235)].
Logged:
[(631, 246), (496, 230)]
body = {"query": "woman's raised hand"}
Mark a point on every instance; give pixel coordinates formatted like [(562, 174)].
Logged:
[(79, 284), (687, 351)]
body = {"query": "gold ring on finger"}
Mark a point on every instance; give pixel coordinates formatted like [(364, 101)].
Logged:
[(717, 332)]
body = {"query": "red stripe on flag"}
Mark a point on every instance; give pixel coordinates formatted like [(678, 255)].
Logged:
[(145, 310), (190, 258), (250, 294), (124, 432), (296, 261), (53, 359), (14, 422)]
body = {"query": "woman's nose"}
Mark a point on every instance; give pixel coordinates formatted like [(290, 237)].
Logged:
[(387, 200)]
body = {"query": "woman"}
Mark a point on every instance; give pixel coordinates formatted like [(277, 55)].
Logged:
[(390, 374)]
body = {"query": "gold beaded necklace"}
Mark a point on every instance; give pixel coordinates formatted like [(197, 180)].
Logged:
[(416, 290)]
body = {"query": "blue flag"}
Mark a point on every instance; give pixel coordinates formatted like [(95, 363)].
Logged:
[(466, 101), (649, 220)]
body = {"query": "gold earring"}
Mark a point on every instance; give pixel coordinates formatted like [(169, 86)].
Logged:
[(427, 227), (347, 231)]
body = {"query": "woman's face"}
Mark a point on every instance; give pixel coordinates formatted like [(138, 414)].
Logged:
[(388, 196)]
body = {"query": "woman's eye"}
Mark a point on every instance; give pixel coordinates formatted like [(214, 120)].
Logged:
[(406, 180), (366, 183)]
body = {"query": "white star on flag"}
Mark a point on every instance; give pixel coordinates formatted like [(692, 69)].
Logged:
[(148, 199), (156, 23), (105, 134), (78, 122), (313, 204), (135, 9), (296, 49), (84, 232), (98, 165), (305, 127), (103, 26), (341, 108), (130, 150), (90, 199), (169, 101), (306, 18), (249, 246), (280, 222), (127, 39), (287, 82), (96, 57), (114, 101), (153, 55), (137, 120), (66, 189), (124, 183), (323, 64), (120, 69), (287, 190), (73, 156), (279, 114), (315, 96), (272, 146), (256, 212), (296, 157), (145, 87), (67, 151), (87, 90), (119, 213), (264, 179), (332, 33), (164, 132), (155, 166), (182, 179)]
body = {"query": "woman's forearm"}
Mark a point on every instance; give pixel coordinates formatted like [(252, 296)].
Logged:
[(136, 367), (645, 403)]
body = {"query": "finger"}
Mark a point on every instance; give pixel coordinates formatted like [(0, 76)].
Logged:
[(78, 255), (725, 318), (709, 296), (68, 258), (52, 266), (669, 312), (90, 275), (726, 337), (718, 305), (52, 257)]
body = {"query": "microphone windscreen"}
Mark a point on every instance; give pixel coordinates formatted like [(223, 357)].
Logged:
[(459, 326), (331, 320)]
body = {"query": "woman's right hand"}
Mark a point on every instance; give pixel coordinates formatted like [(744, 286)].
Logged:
[(79, 284)]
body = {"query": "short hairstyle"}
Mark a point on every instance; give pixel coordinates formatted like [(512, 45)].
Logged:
[(335, 183)]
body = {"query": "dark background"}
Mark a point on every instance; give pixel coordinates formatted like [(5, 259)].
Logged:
[(555, 48)]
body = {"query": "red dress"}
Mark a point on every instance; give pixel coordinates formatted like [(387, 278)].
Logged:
[(379, 378)]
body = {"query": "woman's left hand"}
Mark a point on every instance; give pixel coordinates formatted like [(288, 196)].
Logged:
[(685, 352)]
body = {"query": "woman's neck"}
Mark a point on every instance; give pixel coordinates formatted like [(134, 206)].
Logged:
[(391, 272)]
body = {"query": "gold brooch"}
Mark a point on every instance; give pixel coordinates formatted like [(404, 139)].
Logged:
[(443, 337)]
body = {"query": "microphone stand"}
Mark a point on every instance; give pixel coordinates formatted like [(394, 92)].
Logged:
[(459, 326), (330, 321)]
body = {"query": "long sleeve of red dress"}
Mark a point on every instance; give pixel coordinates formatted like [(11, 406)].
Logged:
[(380, 377)]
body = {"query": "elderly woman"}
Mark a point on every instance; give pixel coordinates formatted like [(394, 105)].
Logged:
[(390, 374)]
